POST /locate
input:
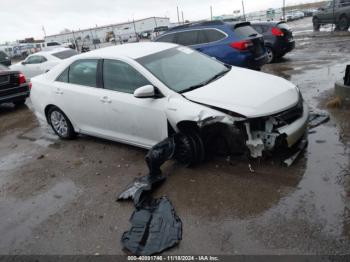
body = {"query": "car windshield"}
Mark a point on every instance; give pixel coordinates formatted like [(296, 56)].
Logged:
[(183, 69), (65, 54)]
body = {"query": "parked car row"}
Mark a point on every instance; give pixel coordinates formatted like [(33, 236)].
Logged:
[(294, 15), (243, 44), (42, 62)]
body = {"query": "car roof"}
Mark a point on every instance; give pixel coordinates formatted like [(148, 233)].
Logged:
[(51, 51), (267, 22), (131, 50), (206, 24)]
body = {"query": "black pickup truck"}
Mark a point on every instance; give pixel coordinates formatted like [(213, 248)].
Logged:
[(13, 87)]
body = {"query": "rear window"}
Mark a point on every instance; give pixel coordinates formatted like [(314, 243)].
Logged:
[(65, 54), (245, 31), (284, 26)]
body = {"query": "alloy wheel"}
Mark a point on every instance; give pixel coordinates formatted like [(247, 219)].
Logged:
[(59, 123)]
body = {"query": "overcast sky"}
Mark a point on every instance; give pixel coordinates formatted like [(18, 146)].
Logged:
[(25, 18)]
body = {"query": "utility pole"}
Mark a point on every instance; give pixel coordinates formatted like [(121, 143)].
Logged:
[(183, 20), (211, 13), (178, 15), (243, 11), (43, 28), (133, 21), (284, 10)]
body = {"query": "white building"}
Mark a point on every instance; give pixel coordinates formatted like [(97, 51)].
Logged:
[(101, 34)]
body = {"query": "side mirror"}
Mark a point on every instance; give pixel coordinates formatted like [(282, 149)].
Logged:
[(23, 62), (321, 9), (145, 92)]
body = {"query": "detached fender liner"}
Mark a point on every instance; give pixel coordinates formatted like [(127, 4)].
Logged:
[(155, 228)]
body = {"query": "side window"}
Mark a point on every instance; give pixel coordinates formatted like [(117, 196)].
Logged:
[(63, 76), (202, 37), (187, 38), (122, 77), (35, 59), (83, 72), (167, 38), (214, 35)]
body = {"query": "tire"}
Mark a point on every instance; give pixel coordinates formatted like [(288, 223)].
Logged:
[(189, 149), (60, 123), (343, 23), (270, 54), (316, 24), (19, 102)]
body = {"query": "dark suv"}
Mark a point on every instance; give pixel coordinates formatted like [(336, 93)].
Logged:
[(13, 86), (235, 43), (4, 59), (334, 12), (278, 38)]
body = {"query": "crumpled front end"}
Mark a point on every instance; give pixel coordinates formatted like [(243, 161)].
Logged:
[(281, 130)]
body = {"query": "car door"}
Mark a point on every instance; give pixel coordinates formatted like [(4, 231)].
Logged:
[(77, 94), (327, 14), (32, 66), (138, 121)]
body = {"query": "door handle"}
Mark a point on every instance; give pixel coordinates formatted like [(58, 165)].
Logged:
[(106, 100)]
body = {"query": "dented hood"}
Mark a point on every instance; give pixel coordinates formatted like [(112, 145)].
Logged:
[(247, 92)]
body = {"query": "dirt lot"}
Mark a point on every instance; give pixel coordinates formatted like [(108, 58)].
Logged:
[(58, 197)]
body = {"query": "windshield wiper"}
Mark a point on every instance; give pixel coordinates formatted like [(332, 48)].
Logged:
[(213, 78)]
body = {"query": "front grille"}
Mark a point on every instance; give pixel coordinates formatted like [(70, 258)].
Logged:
[(290, 115), (284, 118)]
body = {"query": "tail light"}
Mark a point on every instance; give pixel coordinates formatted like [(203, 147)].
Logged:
[(22, 79), (241, 45), (277, 32)]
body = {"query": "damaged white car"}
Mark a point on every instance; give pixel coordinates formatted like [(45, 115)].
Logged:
[(142, 93)]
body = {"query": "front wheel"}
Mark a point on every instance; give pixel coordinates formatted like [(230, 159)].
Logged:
[(343, 24), (316, 24), (60, 123)]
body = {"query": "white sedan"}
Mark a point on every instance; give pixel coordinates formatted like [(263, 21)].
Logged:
[(42, 62), (142, 93)]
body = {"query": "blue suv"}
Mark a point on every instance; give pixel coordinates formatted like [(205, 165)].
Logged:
[(235, 43)]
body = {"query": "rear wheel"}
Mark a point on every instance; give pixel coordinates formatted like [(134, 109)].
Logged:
[(60, 123), (316, 24), (343, 23), (270, 54)]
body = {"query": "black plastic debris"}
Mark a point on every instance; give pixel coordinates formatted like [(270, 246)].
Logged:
[(155, 228), (141, 187), (290, 160), (347, 76), (155, 158), (316, 119)]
